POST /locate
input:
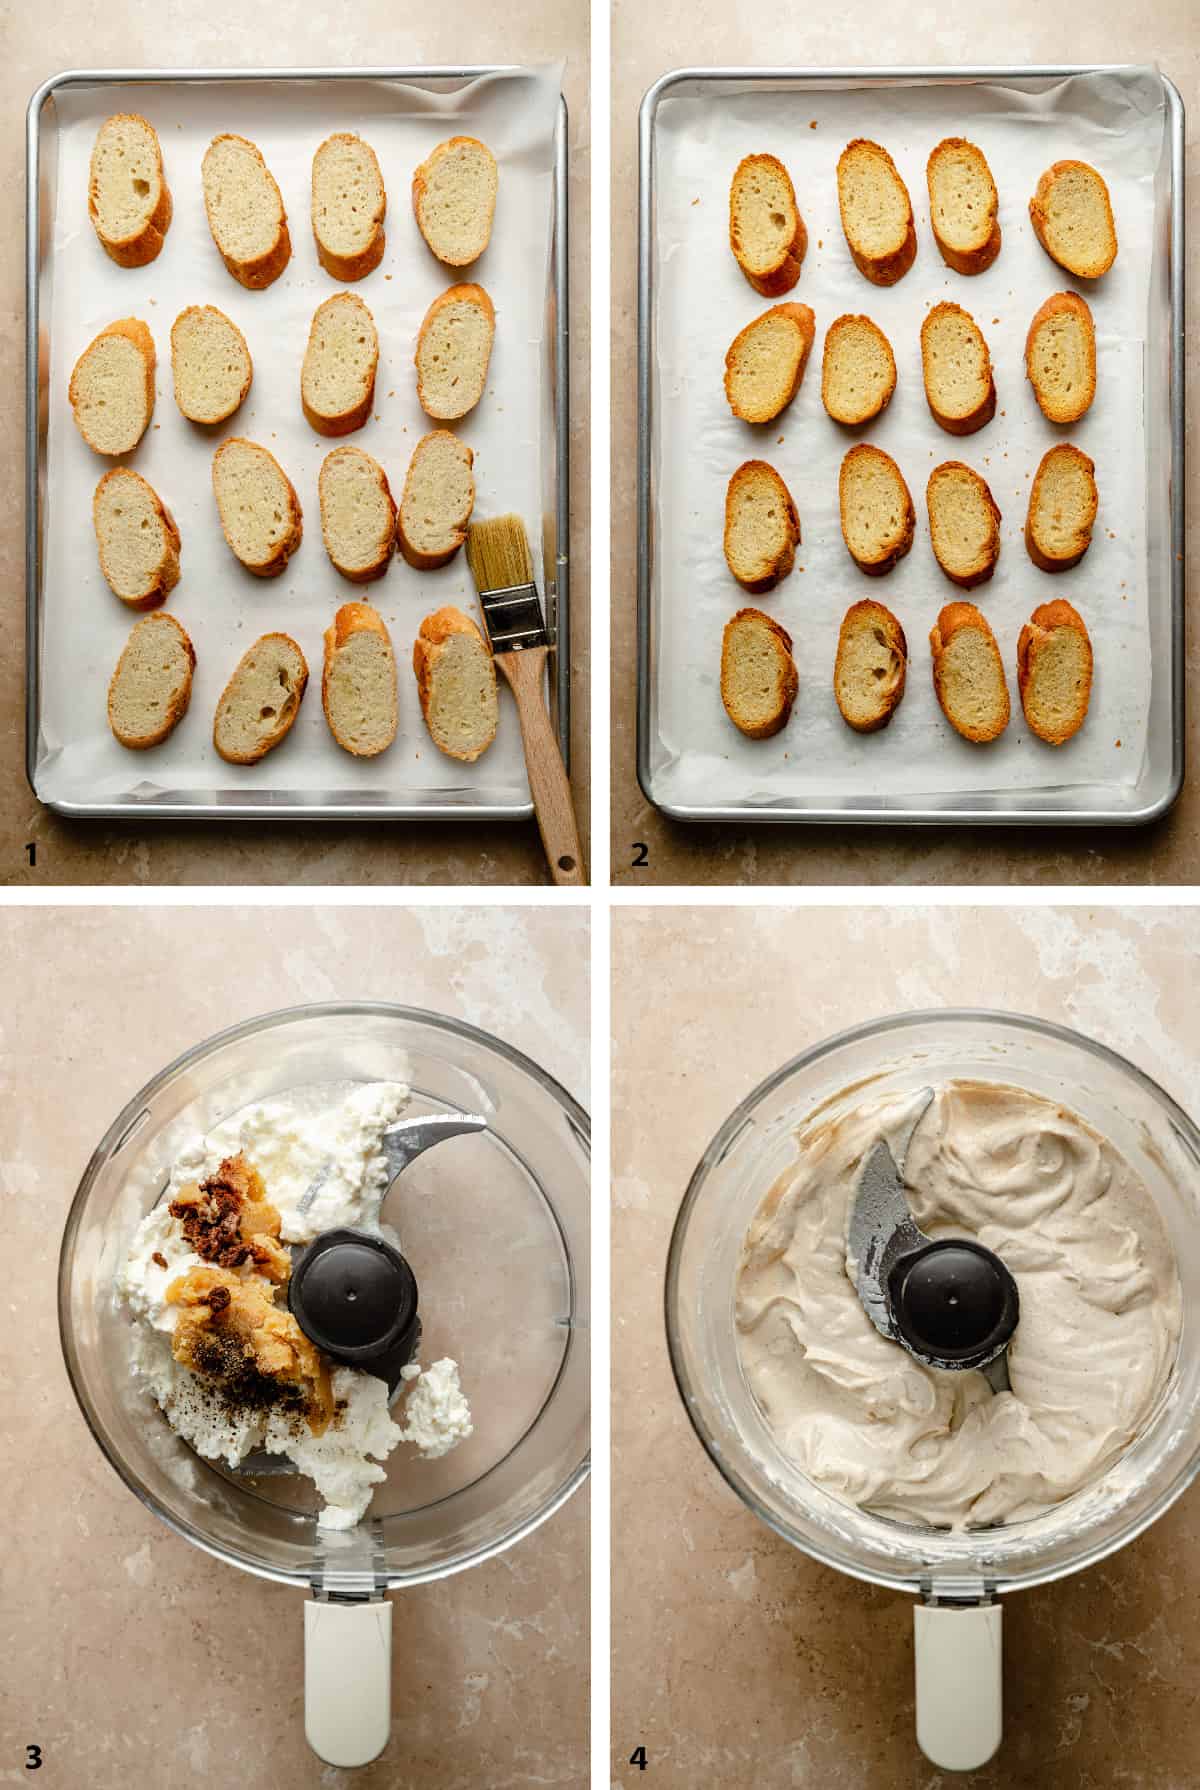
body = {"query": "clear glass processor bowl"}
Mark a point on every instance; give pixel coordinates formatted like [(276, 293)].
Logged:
[(496, 1226), (757, 1143)]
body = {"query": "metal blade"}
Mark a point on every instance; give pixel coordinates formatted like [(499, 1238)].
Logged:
[(412, 1137), (882, 1226)]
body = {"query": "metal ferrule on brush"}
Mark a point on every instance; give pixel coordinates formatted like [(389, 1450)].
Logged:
[(514, 618)]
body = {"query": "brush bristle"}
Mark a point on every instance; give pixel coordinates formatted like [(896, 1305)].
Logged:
[(498, 553)]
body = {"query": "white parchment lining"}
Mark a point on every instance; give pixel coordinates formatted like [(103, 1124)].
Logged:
[(1115, 121), (223, 607)]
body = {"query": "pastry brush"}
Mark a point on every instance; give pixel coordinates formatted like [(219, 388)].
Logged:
[(502, 567)]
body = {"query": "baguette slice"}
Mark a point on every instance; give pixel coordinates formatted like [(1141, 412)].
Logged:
[(1062, 508), (964, 524), (337, 380), (259, 510), (358, 687), (963, 206), (358, 516), (261, 700), (348, 207), (436, 504), (128, 200), (454, 348), (858, 372), (152, 684), (877, 215), (112, 387), (211, 364), (245, 212), (957, 369), (1072, 217), (766, 362), (758, 674), (1054, 672), (137, 539), (968, 673), (1060, 357), (454, 199), (878, 518), (766, 231), (761, 527), (871, 666), (456, 681)]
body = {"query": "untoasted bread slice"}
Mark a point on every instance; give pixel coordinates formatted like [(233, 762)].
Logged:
[(858, 372), (348, 207), (964, 523), (968, 673), (871, 667), (151, 687), (112, 387), (137, 539), (128, 200), (454, 348), (261, 700), (358, 516), (758, 674), (1073, 219), (963, 206), (766, 231), (436, 504), (1062, 508), (766, 362), (877, 214), (878, 518), (1060, 357), (454, 199), (761, 527), (337, 380), (245, 212), (259, 509), (1054, 672), (456, 681), (957, 369), (358, 686), (211, 364)]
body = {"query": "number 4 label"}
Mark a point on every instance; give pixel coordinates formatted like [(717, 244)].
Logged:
[(638, 1758)]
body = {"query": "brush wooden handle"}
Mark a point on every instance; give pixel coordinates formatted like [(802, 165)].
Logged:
[(548, 783)]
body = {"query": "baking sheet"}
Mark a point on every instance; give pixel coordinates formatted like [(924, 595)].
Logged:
[(697, 761), (224, 608)]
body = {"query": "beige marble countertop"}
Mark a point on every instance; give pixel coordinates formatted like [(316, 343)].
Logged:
[(737, 1659), (137, 34), (130, 1656), (646, 44)]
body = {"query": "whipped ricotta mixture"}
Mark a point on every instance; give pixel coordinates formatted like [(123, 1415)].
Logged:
[(320, 1158), (1091, 1356)]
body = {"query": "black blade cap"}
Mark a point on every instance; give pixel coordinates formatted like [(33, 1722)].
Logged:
[(954, 1302), (355, 1296)]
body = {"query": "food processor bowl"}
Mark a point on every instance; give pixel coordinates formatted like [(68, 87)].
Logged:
[(496, 1228), (957, 1575)]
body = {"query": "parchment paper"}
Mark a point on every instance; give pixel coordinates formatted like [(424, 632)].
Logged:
[(1116, 122), (222, 606)]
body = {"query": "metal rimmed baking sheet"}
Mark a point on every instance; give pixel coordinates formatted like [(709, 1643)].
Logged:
[(695, 126), (519, 432)]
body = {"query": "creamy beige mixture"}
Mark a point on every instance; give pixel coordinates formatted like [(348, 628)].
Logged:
[(1092, 1353)]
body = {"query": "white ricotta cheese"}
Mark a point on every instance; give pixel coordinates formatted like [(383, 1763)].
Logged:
[(329, 1149), (437, 1416), (338, 1462)]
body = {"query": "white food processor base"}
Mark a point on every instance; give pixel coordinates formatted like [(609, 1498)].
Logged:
[(959, 1701), (348, 1679)]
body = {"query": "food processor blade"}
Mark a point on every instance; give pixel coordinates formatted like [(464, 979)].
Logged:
[(402, 1145), (951, 1303)]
